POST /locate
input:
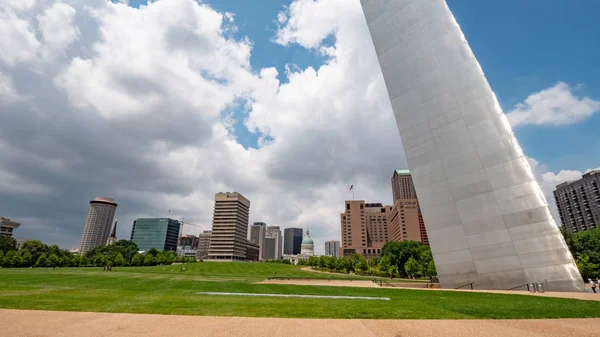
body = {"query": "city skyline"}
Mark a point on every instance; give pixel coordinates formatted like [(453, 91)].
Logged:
[(295, 95)]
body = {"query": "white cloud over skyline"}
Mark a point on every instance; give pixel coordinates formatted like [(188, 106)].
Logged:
[(136, 105), (557, 105)]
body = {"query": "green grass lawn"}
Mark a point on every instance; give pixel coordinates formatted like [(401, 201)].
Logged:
[(166, 290)]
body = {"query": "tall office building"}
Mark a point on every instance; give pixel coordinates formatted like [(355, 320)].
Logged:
[(269, 249), (364, 228), (7, 227), (578, 202), (274, 232), (158, 233), (97, 224), (404, 221), (257, 236), (402, 185), (487, 219), (203, 244), (228, 239), (424, 238), (332, 248), (292, 241)]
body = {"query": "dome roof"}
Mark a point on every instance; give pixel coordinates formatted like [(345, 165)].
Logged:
[(307, 240)]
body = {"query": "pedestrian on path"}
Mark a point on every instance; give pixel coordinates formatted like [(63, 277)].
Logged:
[(593, 285)]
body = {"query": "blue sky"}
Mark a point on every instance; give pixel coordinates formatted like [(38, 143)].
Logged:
[(523, 47), (526, 46)]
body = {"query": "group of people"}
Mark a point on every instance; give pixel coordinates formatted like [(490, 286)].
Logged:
[(594, 284)]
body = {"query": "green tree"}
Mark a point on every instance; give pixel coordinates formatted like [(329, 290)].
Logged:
[(1, 258), (36, 248), (431, 271), (361, 264), (322, 262), (568, 236), (393, 270), (119, 260), (127, 248), (384, 264), (65, 261), (586, 268), (400, 252), (136, 260), (15, 259), (76, 261), (7, 244), (5, 261), (42, 261), (411, 267), (152, 251), (53, 260), (26, 259), (149, 260), (99, 260), (170, 257), (332, 263), (313, 261), (54, 249)]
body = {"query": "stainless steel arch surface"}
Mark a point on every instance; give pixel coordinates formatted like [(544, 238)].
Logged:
[(486, 217)]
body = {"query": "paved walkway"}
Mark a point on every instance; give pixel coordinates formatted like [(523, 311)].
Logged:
[(369, 284), (24, 323)]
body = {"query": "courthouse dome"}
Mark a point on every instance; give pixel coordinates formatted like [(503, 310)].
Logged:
[(308, 246)]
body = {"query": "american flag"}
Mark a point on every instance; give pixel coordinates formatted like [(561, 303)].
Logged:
[(351, 188)]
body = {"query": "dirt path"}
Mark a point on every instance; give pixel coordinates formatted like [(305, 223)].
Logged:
[(329, 283), (24, 323)]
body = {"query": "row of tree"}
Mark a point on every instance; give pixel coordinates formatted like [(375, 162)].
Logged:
[(404, 259), (35, 253)]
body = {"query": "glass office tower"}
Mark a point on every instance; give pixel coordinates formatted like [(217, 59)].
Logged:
[(159, 233)]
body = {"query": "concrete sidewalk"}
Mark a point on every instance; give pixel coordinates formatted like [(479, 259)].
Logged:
[(25, 323)]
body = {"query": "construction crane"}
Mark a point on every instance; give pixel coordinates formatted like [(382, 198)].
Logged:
[(183, 222)]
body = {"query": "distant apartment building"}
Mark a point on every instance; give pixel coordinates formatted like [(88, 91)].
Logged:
[(189, 241), (332, 248), (422, 230), (402, 185), (158, 233), (578, 202), (403, 188), (101, 213), (203, 244), (7, 226), (364, 228), (274, 232), (257, 236), (228, 239), (268, 251), (404, 221), (292, 241)]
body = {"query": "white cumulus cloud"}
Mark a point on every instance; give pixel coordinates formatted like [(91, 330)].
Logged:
[(142, 106), (17, 38), (57, 28), (557, 105)]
